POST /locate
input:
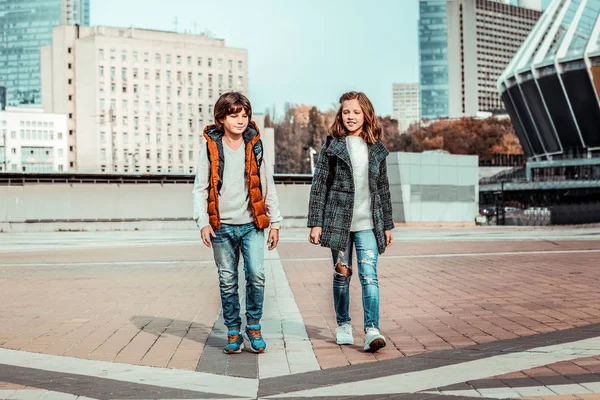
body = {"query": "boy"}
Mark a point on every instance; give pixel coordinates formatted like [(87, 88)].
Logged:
[(234, 201)]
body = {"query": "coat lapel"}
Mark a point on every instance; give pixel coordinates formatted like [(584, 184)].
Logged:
[(338, 148), (377, 153)]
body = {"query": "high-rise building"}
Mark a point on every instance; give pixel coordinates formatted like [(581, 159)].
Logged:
[(137, 100), (25, 26), (406, 106), (464, 45)]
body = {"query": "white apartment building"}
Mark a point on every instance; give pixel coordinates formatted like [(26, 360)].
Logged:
[(464, 46), (406, 104), (33, 141), (137, 100)]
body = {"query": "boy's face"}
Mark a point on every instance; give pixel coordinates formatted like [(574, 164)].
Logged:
[(235, 124)]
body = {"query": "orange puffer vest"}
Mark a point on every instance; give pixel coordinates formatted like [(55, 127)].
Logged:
[(216, 159)]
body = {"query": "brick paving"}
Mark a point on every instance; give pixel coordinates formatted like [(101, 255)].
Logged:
[(435, 295), (451, 302), (158, 315)]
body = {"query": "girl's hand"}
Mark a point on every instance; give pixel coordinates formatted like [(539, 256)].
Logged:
[(389, 238), (314, 236)]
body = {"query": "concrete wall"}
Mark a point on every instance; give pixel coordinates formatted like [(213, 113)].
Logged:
[(426, 188), (50, 207), (434, 188)]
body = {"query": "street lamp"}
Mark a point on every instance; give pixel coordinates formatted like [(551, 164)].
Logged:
[(312, 153)]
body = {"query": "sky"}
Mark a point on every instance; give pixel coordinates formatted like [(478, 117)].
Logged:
[(300, 52)]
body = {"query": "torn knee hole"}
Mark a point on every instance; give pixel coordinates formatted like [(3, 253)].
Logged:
[(343, 269)]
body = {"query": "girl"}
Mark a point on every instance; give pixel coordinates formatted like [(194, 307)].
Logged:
[(350, 205)]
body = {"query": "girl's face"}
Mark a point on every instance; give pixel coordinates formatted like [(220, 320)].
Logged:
[(352, 117)]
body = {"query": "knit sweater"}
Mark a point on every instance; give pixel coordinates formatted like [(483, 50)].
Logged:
[(362, 216)]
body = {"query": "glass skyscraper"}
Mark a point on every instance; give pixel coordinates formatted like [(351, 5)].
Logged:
[(25, 26), (433, 61)]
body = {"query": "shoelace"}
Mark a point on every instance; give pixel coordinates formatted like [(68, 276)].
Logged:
[(254, 333), (233, 338)]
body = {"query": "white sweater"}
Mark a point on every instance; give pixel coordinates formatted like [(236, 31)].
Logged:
[(362, 216)]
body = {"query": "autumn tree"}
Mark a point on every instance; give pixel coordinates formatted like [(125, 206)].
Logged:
[(316, 129)]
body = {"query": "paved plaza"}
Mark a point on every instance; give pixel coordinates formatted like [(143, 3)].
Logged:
[(477, 312)]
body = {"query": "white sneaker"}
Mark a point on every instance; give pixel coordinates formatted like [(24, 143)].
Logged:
[(374, 340), (343, 334)]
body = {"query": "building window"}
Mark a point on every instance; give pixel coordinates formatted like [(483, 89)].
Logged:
[(124, 55), (71, 80), (178, 60), (70, 66), (199, 61), (210, 63), (189, 61), (168, 59), (135, 56), (240, 65), (157, 74), (70, 97), (101, 54), (157, 58), (100, 71)]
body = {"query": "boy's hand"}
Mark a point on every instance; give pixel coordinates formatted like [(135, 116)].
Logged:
[(315, 235), (206, 233), (273, 239)]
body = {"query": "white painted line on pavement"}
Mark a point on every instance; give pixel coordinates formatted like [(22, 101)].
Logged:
[(446, 255), (87, 264), (289, 348), (413, 382), (176, 262), (169, 378)]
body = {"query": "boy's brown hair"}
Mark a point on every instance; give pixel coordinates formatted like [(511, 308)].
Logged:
[(371, 129), (231, 103)]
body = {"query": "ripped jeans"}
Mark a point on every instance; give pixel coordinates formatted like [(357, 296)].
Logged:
[(367, 254)]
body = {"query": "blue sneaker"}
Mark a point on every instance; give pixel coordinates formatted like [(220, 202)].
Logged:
[(257, 343), (236, 342)]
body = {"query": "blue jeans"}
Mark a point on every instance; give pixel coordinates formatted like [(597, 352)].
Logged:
[(230, 240), (367, 254)]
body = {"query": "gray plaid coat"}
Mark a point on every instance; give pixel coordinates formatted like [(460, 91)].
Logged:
[(332, 194)]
